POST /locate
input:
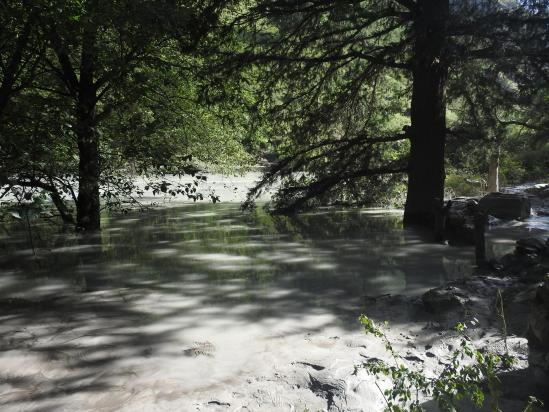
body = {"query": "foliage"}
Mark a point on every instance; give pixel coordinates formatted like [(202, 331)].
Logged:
[(95, 92), (338, 79), (494, 108), (467, 374), (130, 73), (464, 183)]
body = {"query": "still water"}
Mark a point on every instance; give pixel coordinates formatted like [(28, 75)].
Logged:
[(196, 302), (322, 254)]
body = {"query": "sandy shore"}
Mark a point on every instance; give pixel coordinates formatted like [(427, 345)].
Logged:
[(93, 353)]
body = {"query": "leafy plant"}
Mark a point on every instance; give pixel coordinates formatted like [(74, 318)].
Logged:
[(468, 375)]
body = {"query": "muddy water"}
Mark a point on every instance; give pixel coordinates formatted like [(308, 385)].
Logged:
[(178, 301), (349, 252)]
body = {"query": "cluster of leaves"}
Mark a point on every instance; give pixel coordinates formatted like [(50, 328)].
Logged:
[(467, 374), (145, 77), (337, 79), (498, 109)]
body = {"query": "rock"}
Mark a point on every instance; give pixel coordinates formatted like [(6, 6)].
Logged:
[(413, 358), (536, 274), (513, 264), (443, 299), (506, 206), (510, 259), (460, 220), (544, 194), (494, 264), (531, 245), (325, 386), (493, 221), (539, 190), (529, 259), (538, 328)]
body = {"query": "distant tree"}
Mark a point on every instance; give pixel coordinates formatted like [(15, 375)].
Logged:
[(498, 117), (331, 66)]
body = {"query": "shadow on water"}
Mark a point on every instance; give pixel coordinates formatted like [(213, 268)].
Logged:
[(206, 285)]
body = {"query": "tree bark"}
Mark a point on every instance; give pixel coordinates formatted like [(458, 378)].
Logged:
[(493, 173), (87, 205), (426, 171)]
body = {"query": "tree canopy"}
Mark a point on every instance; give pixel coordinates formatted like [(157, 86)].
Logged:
[(91, 88), (357, 99), (362, 88)]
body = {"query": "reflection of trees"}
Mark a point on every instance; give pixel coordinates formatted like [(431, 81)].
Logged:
[(337, 223), (327, 249), (147, 290)]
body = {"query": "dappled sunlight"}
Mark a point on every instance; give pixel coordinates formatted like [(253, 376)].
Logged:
[(76, 248), (323, 266), (181, 299), (165, 252)]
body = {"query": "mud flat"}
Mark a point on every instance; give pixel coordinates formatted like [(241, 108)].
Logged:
[(203, 307)]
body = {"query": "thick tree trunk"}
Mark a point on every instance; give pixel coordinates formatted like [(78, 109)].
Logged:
[(428, 114), (87, 205)]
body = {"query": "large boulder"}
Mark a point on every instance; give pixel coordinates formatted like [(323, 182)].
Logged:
[(506, 205), (460, 220), (444, 299), (532, 245)]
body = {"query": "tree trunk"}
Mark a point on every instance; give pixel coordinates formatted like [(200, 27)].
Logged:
[(63, 210), (87, 205), (493, 173), (428, 114)]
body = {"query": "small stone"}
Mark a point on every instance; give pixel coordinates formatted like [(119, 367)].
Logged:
[(413, 358), (430, 354)]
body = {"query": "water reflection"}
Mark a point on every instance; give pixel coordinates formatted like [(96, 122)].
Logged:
[(124, 308), (356, 252)]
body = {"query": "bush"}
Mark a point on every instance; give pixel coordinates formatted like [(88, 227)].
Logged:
[(466, 376)]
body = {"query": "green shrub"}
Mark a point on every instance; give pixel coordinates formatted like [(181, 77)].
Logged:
[(466, 376), (464, 185)]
